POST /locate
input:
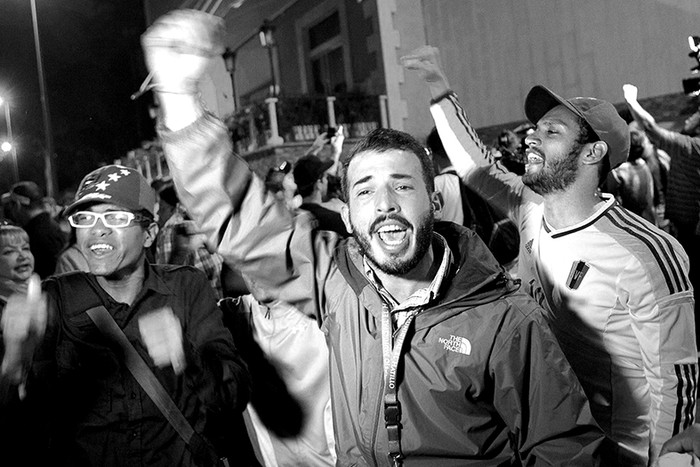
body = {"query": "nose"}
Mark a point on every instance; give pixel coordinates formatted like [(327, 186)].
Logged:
[(100, 228), (386, 202), (532, 139)]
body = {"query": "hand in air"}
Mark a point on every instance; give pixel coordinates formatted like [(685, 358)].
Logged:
[(426, 61), (178, 47), (23, 325), (630, 92), (161, 333)]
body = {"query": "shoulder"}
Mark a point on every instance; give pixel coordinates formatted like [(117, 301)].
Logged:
[(654, 253)]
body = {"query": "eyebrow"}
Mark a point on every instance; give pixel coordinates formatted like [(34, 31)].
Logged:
[(393, 176)]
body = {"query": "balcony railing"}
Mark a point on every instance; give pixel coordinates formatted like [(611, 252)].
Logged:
[(297, 118)]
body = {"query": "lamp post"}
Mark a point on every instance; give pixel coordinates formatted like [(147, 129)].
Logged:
[(229, 57), (49, 173), (267, 40), (12, 147)]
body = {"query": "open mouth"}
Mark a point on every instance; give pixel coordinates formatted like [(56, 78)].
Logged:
[(392, 234), (534, 157), (100, 249)]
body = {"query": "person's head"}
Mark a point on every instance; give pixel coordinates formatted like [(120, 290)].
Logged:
[(25, 200), (310, 176), (437, 150), (167, 200), (390, 200), (639, 141), (508, 140), (578, 137), (280, 181), (113, 215), (16, 259)]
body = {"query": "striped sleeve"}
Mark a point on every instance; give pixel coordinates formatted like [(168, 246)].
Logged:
[(661, 307), (475, 163), (463, 146)]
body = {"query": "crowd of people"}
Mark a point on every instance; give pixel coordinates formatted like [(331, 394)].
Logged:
[(445, 302)]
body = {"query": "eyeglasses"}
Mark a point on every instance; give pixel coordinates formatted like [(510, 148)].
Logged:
[(113, 219)]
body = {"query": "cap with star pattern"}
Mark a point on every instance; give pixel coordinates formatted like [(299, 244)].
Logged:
[(115, 184)]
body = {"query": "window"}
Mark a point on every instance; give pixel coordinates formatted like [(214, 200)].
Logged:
[(326, 54)]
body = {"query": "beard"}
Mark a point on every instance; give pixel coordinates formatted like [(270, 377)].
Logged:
[(556, 175), (398, 264)]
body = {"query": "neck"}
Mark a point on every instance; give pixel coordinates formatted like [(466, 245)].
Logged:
[(402, 287), (576, 204), (314, 198), (124, 288)]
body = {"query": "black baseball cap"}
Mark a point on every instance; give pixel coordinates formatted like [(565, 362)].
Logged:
[(309, 169)]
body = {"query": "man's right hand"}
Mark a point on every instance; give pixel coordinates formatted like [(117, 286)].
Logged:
[(630, 92), (426, 60), (23, 325), (178, 47)]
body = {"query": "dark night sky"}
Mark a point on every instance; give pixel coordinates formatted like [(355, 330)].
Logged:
[(92, 63)]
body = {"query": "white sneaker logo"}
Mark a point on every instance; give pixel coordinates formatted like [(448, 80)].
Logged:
[(457, 344)]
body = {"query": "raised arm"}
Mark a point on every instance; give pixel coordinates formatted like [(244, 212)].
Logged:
[(463, 146), (23, 325), (276, 250), (472, 160), (640, 115)]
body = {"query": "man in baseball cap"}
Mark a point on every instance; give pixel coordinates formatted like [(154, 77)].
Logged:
[(615, 287), (101, 413), (311, 177)]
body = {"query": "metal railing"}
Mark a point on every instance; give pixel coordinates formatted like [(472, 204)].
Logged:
[(296, 118)]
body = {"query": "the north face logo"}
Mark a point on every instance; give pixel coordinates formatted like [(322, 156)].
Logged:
[(457, 344)]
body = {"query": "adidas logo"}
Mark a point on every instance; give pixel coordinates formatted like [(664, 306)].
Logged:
[(457, 344)]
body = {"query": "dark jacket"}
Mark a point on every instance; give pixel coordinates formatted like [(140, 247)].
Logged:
[(98, 413)]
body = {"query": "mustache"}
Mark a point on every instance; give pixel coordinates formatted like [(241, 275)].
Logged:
[(389, 217)]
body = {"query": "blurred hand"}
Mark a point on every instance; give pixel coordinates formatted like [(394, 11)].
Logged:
[(630, 92), (685, 441), (426, 61), (161, 333), (318, 144), (178, 47), (23, 325), (337, 140)]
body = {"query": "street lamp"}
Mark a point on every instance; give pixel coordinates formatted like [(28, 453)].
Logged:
[(229, 57), (9, 146), (267, 40), (49, 173)]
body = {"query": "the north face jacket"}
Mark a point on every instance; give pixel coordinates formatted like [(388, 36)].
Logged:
[(482, 380)]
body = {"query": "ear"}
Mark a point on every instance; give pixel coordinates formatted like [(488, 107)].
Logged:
[(150, 234), (438, 203), (595, 152), (345, 214)]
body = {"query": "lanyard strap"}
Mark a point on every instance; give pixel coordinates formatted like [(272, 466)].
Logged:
[(391, 350)]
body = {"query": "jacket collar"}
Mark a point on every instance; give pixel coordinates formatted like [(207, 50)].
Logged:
[(475, 277)]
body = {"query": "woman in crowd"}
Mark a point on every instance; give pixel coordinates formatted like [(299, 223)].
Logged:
[(16, 261)]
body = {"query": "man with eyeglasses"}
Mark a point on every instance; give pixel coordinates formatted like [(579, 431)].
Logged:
[(99, 413)]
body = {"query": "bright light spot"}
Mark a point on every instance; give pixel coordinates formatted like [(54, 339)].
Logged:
[(6, 146)]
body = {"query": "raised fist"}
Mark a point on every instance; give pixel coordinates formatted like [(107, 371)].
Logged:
[(178, 47)]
